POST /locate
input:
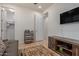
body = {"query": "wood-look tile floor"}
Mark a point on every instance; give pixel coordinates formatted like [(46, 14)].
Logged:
[(43, 43)]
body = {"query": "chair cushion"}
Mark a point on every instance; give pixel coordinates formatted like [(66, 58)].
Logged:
[(2, 47)]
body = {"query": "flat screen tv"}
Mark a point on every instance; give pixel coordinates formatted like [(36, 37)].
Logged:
[(70, 16)]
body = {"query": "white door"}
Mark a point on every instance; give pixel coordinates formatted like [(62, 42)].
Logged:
[(39, 29)]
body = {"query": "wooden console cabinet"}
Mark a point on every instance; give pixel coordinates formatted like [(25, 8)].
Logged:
[(64, 46)]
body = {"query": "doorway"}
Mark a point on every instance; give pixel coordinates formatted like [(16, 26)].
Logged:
[(7, 23), (39, 27), (10, 24)]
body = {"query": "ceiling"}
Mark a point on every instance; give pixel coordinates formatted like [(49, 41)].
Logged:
[(34, 6)]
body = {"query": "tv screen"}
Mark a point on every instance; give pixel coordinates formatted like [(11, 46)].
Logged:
[(70, 16)]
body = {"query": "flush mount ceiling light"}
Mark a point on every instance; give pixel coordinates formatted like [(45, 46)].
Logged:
[(11, 10), (39, 6)]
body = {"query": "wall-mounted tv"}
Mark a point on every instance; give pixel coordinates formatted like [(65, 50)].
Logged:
[(70, 16)]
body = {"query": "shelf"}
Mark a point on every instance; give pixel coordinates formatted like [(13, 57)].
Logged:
[(62, 53), (64, 48), (28, 36)]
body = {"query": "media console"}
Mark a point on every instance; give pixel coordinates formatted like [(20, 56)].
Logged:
[(64, 46)]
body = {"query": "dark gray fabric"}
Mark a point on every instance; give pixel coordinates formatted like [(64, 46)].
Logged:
[(12, 49)]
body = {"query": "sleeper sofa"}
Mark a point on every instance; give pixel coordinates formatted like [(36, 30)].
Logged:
[(10, 48)]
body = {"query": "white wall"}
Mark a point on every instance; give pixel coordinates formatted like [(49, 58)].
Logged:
[(24, 19), (70, 30)]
